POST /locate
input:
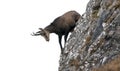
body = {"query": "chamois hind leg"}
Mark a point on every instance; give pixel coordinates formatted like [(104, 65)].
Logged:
[(60, 37), (65, 37)]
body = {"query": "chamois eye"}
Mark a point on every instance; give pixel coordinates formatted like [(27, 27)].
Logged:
[(43, 34)]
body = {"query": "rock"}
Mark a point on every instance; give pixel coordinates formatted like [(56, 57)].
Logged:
[(95, 40)]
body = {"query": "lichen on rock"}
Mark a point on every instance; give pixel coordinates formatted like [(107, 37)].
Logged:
[(95, 40)]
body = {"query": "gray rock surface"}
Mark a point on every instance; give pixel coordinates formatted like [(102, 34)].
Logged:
[(95, 40)]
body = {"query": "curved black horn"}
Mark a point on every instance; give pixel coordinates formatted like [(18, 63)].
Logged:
[(35, 34), (41, 29)]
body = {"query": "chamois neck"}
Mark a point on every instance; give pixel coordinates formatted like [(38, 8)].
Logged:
[(50, 29)]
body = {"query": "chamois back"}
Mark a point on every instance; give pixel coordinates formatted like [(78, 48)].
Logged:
[(65, 23)]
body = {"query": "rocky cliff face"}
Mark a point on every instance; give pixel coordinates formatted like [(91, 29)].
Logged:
[(96, 39)]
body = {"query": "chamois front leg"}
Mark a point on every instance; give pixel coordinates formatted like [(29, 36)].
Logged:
[(60, 37)]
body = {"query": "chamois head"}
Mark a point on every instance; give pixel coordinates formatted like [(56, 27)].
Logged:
[(43, 33)]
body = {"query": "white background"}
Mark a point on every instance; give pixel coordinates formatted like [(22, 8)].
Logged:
[(19, 51)]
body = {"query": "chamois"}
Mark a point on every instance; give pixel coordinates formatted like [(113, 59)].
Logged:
[(62, 25)]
